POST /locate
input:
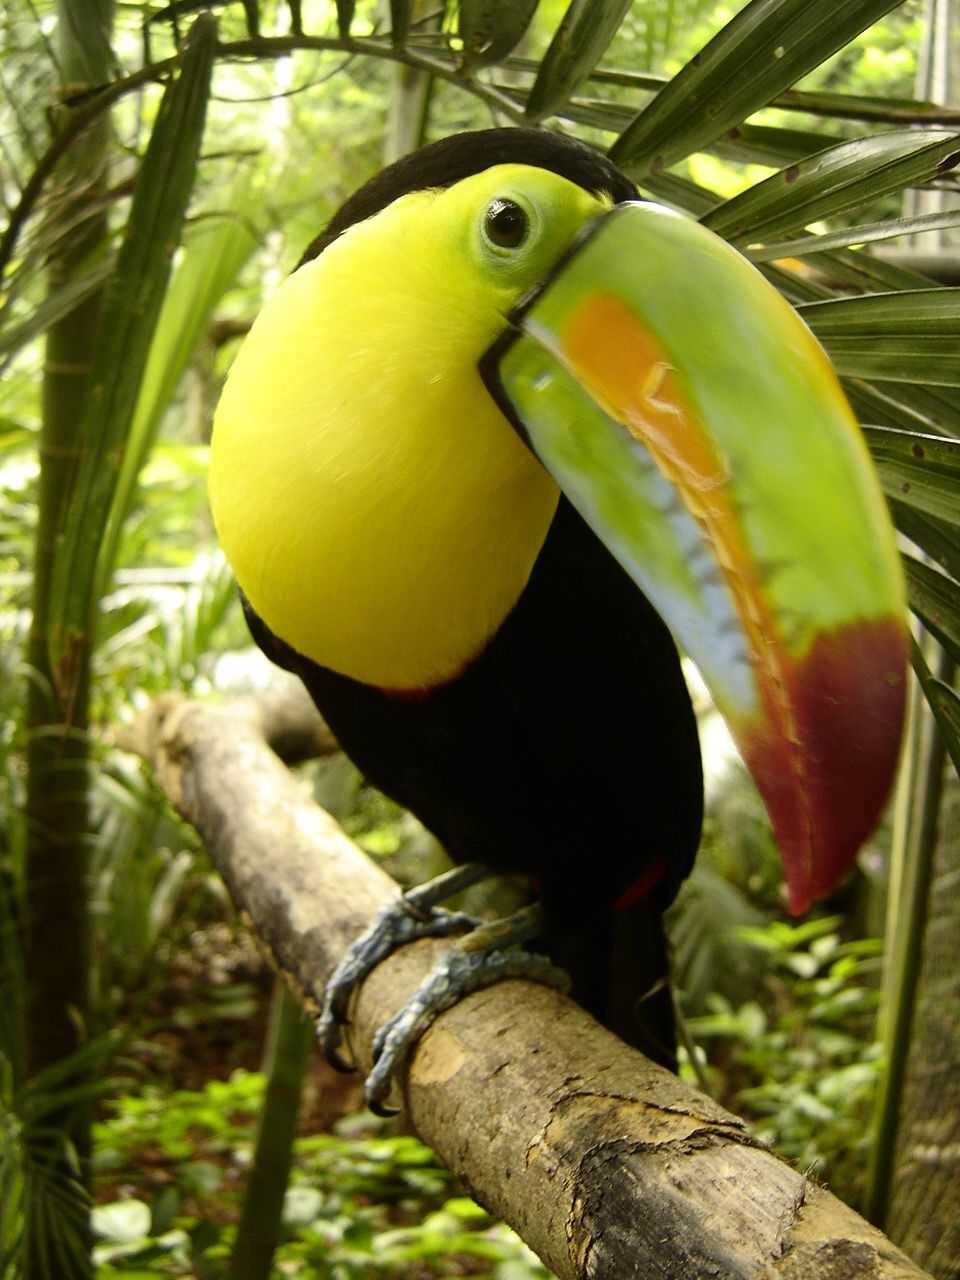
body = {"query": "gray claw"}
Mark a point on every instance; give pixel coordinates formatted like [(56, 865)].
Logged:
[(458, 972), (397, 923)]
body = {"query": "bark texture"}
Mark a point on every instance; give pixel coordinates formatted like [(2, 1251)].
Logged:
[(608, 1166)]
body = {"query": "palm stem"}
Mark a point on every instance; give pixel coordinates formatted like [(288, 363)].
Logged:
[(912, 859)]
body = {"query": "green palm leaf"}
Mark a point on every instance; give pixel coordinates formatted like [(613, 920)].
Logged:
[(935, 599), (920, 472), (584, 32), (940, 539), (133, 301), (864, 233), (911, 336), (767, 47), (944, 704), (490, 29), (835, 180)]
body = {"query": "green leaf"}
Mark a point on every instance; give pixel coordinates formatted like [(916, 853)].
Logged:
[(866, 273), (681, 192), (935, 599), (214, 252), (906, 406), (922, 472), (579, 42), (840, 178), (131, 306), (57, 304), (748, 144), (944, 704), (122, 1221), (911, 336), (490, 29), (937, 538), (867, 233), (646, 81), (839, 106), (762, 144), (853, 106), (766, 48), (592, 112)]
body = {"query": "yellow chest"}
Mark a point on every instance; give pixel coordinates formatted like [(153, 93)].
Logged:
[(380, 514)]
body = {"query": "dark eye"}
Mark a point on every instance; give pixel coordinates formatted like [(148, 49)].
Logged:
[(505, 224)]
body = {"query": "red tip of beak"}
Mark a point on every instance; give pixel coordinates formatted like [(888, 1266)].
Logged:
[(825, 759)]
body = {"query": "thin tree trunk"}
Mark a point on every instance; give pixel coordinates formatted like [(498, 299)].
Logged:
[(56, 941)]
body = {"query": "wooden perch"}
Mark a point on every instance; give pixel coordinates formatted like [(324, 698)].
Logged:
[(608, 1166)]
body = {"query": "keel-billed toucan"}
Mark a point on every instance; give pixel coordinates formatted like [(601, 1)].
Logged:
[(496, 399)]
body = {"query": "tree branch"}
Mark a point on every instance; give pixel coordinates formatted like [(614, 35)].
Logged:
[(607, 1165)]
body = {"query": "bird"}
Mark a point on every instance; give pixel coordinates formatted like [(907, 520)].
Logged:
[(463, 606)]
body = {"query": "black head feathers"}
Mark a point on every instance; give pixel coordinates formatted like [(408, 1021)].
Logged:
[(441, 164)]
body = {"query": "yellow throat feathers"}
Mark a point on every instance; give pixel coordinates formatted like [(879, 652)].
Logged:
[(380, 513)]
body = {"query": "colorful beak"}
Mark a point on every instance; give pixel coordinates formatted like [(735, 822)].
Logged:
[(693, 420)]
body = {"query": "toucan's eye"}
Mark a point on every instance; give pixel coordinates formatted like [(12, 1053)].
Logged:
[(506, 224)]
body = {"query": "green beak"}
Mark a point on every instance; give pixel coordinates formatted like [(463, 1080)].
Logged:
[(696, 424)]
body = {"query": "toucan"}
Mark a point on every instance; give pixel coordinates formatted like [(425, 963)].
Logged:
[(505, 438)]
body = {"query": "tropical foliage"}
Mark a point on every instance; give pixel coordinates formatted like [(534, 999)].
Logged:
[(162, 167)]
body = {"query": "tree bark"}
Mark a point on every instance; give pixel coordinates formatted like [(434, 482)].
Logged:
[(608, 1166)]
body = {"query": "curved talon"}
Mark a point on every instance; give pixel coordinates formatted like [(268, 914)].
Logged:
[(328, 1038), (382, 1109), (458, 972), (401, 921)]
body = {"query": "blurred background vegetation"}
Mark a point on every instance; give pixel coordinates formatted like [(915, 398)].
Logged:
[(160, 173)]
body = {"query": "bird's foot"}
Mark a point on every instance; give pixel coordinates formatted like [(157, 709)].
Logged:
[(477, 960), (413, 915)]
